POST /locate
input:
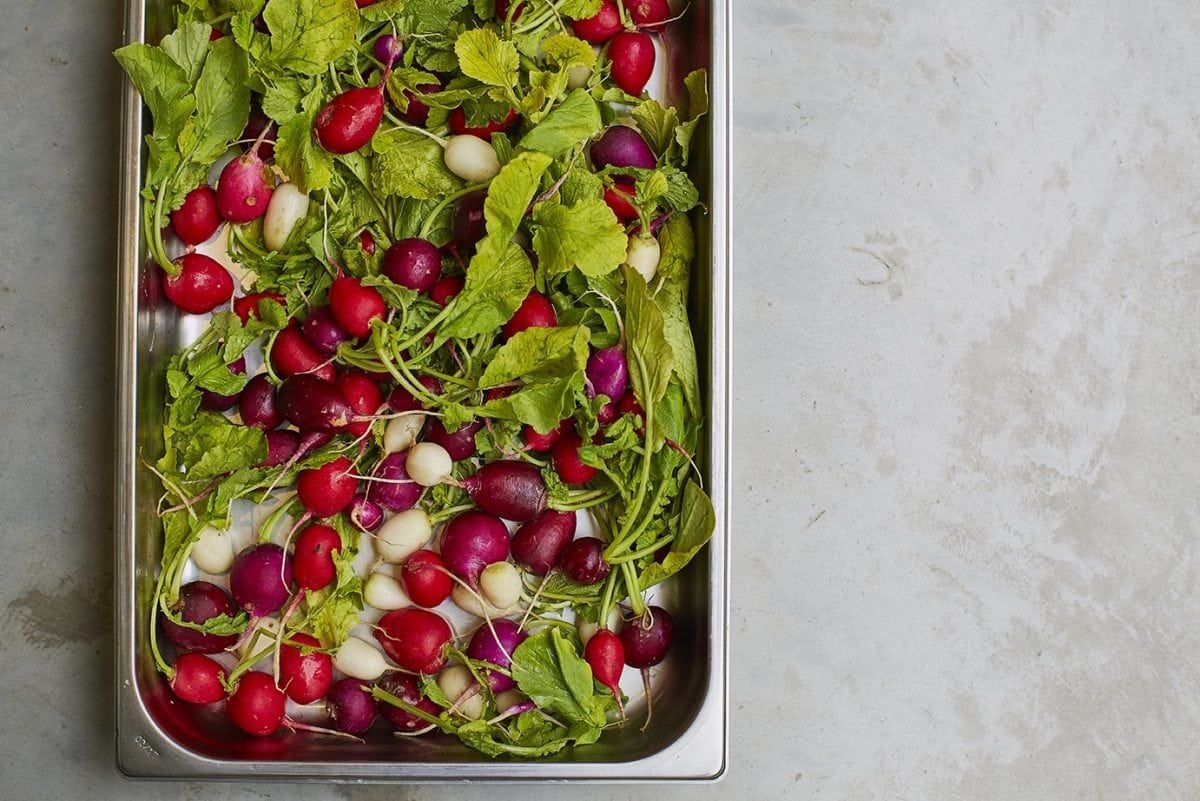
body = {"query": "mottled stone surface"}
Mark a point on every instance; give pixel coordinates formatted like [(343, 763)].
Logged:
[(967, 282)]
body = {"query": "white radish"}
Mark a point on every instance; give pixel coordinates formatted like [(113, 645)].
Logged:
[(428, 464), (588, 629), (213, 551), (471, 603), (456, 680), (385, 592), (577, 76), (402, 432), (643, 255), (500, 585), (402, 534), (288, 206), (359, 659), (264, 634), (510, 698), (471, 158)]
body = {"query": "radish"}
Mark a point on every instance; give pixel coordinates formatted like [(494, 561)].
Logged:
[(291, 354), (539, 544), (643, 255), (401, 400), (363, 396), (259, 405), (351, 706), (632, 57), (541, 443), (389, 50), (213, 551), (509, 489), (618, 197), (500, 585), (424, 579), (245, 187), (502, 10), (261, 578), (470, 225), (354, 306), (471, 158), (536, 311), (322, 331), (417, 113), (415, 639), (304, 674), (393, 488), (212, 402), (605, 655), (312, 557), (366, 241), (402, 534), (312, 404), (198, 679), (199, 601), (404, 687), (608, 373), (647, 639), (308, 442), (359, 659), (328, 489), (348, 121), (445, 289), (200, 286), (601, 27), (457, 683), (583, 561), (622, 146), (474, 604), (402, 432), (629, 405), (513, 702), (428, 464), (385, 592), (414, 263), (648, 13), (458, 125), (247, 306), (471, 541), (256, 125), (577, 76), (606, 413), (364, 513), (288, 206), (567, 464), (257, 706), (459, 443), (197, 219)]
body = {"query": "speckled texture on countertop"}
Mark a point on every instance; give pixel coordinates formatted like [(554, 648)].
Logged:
[(967, 257)]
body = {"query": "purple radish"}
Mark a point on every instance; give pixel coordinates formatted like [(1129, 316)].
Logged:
[(539, 544), (621, 146), (212, 402), (509, 489), (647, 639), (322, 332), (313, 404), (396, 491), (351, 706), (365, 513), (199, 601), (309, 442), (471, 541), (258, 405), (404, 687), (413, 263), (470, 226), (583, 561), (261, 578), (459, 443), (281, 447), (389, 50), (608, 373), (485, 647)]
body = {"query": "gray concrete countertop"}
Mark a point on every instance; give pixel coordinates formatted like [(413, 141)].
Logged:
[(967, 413)]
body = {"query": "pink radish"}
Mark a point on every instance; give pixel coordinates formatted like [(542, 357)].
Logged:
[(509, 489), (354, 305), (365, 513), (257, 706), (415, 639), (197, 219), (535, 311), (328, 489), (245, 186), (305, 677), (495, 644), (261, 578), (312, 557), (539, 544), (200, 286), (198, 679)]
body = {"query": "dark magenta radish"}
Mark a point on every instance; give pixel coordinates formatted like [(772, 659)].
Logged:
[(258, 403), (261, 578), (622, 146), (304, 674), (534, 312), (647, 639), (605, 655), (257, 706), (322, 331), (495, 644), (197, 219), (389, 50), (246, 306), (541, 443), (628, 405), (608, 373), (256, 124), (198, 679), (423, 577), (607, 413), (414, 263), (401, 400), (244, 188), (404, 687), (366, 241), (459, 443), (365, 513), (351, 706), (417, 113), (348, 121), (458, 125), (508, 488), (291, 354), (394, 490), (312, 404), (328, 489), (363, 395), (199, 601), (618, 197), (312, 557), (583, 561), (471, 541), (601, 27), (415, 639), (632, 58), (502, 10), (212, 402), (309, 442), (445, 289), (648, 13), (200, 286), (567, 464), (539, 544), (281, 447), (354, 305), (470, 226)]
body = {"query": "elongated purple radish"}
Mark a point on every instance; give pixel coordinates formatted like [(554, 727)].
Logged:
[(539, 544), (495, 644), (261, 578), (509, 489)]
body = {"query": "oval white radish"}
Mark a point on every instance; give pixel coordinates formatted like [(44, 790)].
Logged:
[(428, 464), (471, 158), (500, 585), (456, 680), (643, 255), (213, 551), (577, 76), (385, 592), (402, 432), (470, 603), (587, 628), (359, 659), (510, 698), (288, 206), (402, 534)]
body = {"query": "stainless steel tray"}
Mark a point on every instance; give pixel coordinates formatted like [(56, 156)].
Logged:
[(158, 737)]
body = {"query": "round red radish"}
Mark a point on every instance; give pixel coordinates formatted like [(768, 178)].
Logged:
[(364, 396), (200, 286), (328, 489), (246, 306), (244, 188), (417, 113), (305, 675), (313, 404), (632, 57), (541, 443), (445, 290), (212, 402), (261, 578), (583, 561), (401, 400), (495, 644), (351, 706), (259, 405), (354, 306), (257, 706), (508, 488), (648, 12), (291, 354), (197, 219), (470, 225), (622, 146), (607, 413), (199, 602), (619, 197), (348, 121), (322, 331), (405, 687), (366, 241), (471, 541), (600, 28), (198, 679), (458, 124), (281, 446), (424, 578), (567, 464), (605, 655), (415, 639), (312, 557), (647, 639), (459, 443), (414, 263), (395, 490), (628, 405), (535, 311), (539, 544)]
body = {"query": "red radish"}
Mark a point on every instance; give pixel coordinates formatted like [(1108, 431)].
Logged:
[(212, 402), (257, 706), (459, 443), (471, 541), (366, 241), (313, 404), (261, 578), (312, 557), (291, 355), (583, 561), (648, 12), (200, 286), (495, 644), (404, 687), (328, 489), (309, 442), (244, 188), (255, 125), (199, 601), (197, 219), (415, 639), (509, 489), (395, 491), (622, 146), (567, 464), (470, 226), (423, 577), (618, 197), (365, 513), (540, 443), (364, 3), (322, 331), (417, 113), (364, 396), (445, 290), (606, 414), (281, 447), (632, 57), (502, 10), (215, 34), (259, 405), (600, 28), (496, 393), (535, 311), (246, 306), (458, 124), (414, 263), (401, 400), (348, 121), (647, 639), (354, 306), (608, 373), (198, 679), (304, 675), (629, 405), (351, 706), (605, 655), (539, 544)]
